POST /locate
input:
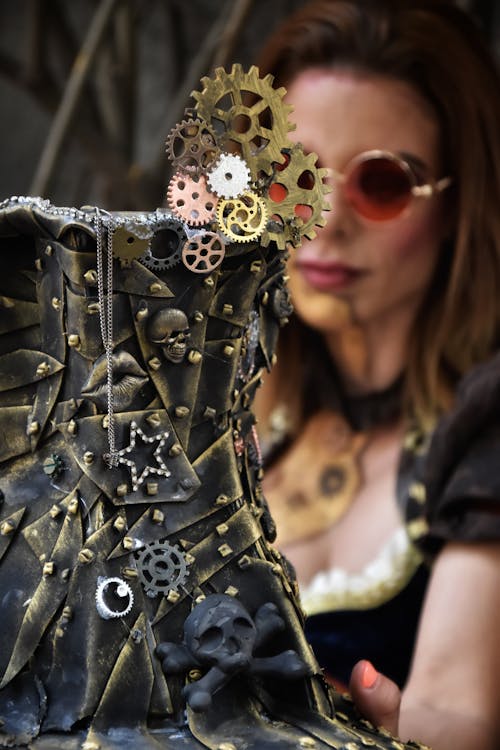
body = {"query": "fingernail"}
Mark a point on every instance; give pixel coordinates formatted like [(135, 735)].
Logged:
[(368, 675)]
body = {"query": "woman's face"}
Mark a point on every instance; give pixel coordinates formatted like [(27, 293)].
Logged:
[(357, 271)]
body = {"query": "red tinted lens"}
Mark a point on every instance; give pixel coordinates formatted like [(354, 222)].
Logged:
[(378, 188)]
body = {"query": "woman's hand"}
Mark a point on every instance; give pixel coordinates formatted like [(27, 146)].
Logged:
[(376, 697)]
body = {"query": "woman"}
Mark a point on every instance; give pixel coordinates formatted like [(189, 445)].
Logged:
[(381, 468)]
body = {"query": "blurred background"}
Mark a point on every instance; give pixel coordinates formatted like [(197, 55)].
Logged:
[(89, 89)]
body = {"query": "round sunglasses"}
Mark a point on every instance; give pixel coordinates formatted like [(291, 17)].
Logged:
[(380, 185)]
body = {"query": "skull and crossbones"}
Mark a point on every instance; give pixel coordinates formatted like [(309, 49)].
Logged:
[(220, 634), (169, 328)]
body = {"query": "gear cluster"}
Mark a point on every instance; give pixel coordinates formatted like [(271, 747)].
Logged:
[(238, 177)]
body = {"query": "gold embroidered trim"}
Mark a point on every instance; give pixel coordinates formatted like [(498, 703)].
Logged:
[(380, 580)]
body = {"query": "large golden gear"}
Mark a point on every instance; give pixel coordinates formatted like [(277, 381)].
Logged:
[(295, 199), (242, 102), (242, 219)]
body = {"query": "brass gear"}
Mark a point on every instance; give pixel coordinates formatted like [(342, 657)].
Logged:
[(191, 146), (242, 219), (242, 102), (190, 199), (203, 252), (295, 199)]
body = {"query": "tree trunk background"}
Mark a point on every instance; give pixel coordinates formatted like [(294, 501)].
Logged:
[(89, 89)]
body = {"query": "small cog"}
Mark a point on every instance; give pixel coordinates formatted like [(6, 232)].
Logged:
[(203, 252), (190, 199), (230, 177), (162, 568), (164, 250), (242, 219), (113, 598), (191, 146)]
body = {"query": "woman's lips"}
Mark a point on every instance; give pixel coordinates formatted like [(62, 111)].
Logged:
[(328, 276)]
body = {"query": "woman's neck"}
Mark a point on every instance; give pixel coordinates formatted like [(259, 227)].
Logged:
[(368, 358)]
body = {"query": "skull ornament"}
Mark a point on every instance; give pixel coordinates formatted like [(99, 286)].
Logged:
[(169, 328), (219, 632)]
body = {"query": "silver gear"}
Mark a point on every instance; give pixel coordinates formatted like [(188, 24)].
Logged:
[(177, 236), (111, 591), (162, 568), (230, 177)]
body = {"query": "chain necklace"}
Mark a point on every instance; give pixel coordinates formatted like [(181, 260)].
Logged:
[(106, 325)]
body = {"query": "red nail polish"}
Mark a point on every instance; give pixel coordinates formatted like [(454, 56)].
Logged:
[(368, 675)]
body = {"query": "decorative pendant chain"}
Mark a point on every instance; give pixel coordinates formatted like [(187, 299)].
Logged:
[(106, 324)]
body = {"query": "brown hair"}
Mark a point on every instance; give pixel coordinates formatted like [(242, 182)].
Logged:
[(435, 47)]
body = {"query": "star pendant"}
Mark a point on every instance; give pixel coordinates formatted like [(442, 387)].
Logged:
[(160, 470)]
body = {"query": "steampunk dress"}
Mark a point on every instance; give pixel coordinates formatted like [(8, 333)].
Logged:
[(100, 563)]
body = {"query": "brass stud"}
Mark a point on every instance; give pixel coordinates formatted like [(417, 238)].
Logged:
[(122, 490), (90, 276), (65, 574), (175, 450), (33, 427), (55, 511), (265, 298), (88, 458), (222, 529), (72, 427), (105, 422), (181, 411), (208, 281), (130, 573), (308, 742), (232, 591), (154, 419), (227, 309), (155, 287), (73, 340), (128, 542), (228, 350), (56, 303), (93, 308), (194, 357), (157, 516), (67, 613), (209, 412), (38, 264), (222, 500), (154, 363), (49, 569), (151, 488), (224, 550), (73, 506), (142, 312), (85, 556), (194, 674), (120, 524), (173, 596), (49, 250), (198, 316), (7, 527), (256, 266), (43, 369)]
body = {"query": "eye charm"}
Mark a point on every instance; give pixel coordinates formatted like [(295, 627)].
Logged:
[(113, 598)]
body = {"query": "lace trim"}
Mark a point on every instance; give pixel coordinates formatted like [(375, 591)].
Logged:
[(379, 581)]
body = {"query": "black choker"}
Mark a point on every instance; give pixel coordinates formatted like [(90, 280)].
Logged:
[(372, 409)]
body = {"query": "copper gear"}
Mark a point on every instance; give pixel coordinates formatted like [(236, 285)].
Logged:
[(191, 146), (203, 252), (301, 190), (242, 219), (190, 199), (230, 177), (242, 101)]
